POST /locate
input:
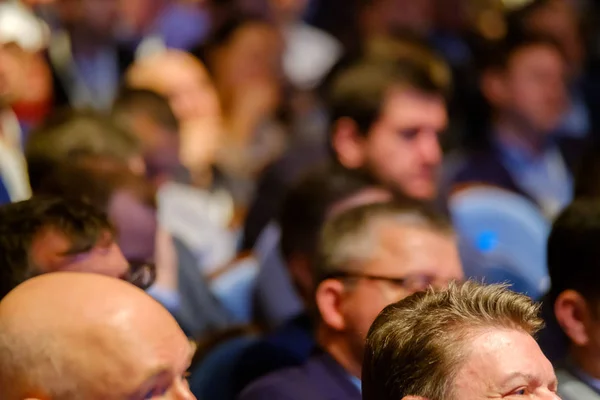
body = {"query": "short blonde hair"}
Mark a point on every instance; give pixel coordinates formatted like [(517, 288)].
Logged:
[(415, 347)]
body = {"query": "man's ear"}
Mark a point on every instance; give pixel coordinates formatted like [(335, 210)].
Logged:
[(329, 298), (574, 316), (348, 143), (493, 87)]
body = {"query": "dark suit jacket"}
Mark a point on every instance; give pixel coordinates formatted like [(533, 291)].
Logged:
[(320, 378), (485, 166), (61, 79), (288, 346)]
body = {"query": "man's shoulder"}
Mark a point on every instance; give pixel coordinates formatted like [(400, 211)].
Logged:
[(570, 387), (286, 384)]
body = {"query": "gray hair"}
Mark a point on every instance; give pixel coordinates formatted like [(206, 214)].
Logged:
[(348, 240)]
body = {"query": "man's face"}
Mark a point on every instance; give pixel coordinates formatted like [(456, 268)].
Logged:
[(535, 88), (51, 251), (140, 357), (505, 364), (99, 15), (402, 149), (12, 78), (419, 256), (405, 14)]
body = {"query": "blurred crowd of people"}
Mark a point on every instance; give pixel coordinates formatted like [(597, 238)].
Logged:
[(275, 173)]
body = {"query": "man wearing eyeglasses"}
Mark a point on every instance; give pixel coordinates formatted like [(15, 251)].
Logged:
[(43, 235), (369, 257)]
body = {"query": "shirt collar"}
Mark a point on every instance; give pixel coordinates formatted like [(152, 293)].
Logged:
[(594, 383), (520, 155), (356, 382)]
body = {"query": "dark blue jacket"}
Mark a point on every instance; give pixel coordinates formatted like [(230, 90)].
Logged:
[(288, 346), (320, 378), (485, 166)]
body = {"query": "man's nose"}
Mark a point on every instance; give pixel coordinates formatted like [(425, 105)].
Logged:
[(430, 148), (181, 391)]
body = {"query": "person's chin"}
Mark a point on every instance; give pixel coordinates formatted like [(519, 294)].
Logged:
[(423, 191)]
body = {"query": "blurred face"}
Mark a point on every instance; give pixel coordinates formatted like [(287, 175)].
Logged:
[(100, 15), (160, 148), (52, 251), (12, 78), (402, 149), (136, 226), (403, 14), (253, 54), (505, 364), (289, 8), (534, 88), (559, 20), (137, 15), (408, 260)]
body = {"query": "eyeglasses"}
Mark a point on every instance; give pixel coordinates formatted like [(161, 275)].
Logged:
[(412, 283), (141, 274)]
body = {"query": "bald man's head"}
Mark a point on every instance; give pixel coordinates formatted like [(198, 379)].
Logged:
[(67, 336)]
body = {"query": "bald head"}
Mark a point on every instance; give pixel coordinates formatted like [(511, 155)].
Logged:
[(68, 336)]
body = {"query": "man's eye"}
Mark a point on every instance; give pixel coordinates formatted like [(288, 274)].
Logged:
[(156, 392), (409, 134), (519, 392)]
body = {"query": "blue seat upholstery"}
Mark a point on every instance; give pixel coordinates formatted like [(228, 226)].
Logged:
[(502, 238), (213, 377)]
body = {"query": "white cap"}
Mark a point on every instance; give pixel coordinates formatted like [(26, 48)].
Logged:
[(19, 25)]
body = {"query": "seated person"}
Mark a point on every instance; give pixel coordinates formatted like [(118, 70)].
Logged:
[(289, 269), (573, 256), (527, 91), (44, 235), (198, 218), (467, 342), (149, 117), (82, 336), (388, 118), (368, 257), (71, 133), (130, 203)]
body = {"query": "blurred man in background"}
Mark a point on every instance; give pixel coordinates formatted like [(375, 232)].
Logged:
[(573, 299), (388, 117), (22, 80), (369, 257), (285, 284), (526, 87), (74, 335), (48, 235), (86, 61)]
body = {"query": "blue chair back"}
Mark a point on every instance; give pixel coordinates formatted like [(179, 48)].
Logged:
[(213, 377), (502, 238)]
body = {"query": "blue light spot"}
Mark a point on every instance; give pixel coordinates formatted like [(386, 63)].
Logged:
[(487, 241)]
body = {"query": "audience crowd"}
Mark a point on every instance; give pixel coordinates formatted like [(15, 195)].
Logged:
[(299, 199)]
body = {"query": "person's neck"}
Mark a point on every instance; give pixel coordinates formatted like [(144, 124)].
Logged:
[(586, 360), (335, 344), (519, 136)]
